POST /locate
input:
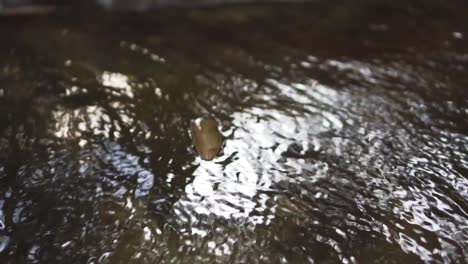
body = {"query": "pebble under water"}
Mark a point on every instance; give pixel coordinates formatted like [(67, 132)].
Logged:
[(345, 126)]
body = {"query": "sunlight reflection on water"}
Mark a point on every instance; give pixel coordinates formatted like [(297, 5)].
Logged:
[(342, 145)]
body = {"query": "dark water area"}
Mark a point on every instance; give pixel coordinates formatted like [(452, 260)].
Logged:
[(345, 126)]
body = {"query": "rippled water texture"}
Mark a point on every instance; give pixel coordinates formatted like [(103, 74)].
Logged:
[(346, 135)]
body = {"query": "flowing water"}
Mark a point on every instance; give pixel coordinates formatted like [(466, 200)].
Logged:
[(345, 125)]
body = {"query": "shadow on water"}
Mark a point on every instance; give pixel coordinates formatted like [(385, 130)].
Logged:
[(346, 139)]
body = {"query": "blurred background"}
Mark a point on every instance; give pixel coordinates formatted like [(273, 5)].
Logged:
[(344, 125)]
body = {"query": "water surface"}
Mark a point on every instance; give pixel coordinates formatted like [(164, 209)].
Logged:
[(345, 126)]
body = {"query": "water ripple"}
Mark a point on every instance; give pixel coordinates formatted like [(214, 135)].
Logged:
[(341, 145)]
